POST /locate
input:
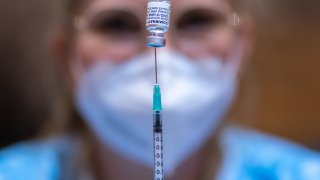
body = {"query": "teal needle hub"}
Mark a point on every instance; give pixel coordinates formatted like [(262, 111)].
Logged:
[(157, 106)]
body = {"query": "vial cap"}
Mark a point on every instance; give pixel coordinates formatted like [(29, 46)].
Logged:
[(156, 41)]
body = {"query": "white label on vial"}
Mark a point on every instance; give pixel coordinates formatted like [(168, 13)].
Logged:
[(158, 13)]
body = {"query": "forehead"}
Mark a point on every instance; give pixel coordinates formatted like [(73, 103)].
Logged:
[(140, 5), (174, 3)]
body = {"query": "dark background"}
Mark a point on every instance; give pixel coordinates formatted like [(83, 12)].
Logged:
[(279, 92), (281, 87), (29, 95)]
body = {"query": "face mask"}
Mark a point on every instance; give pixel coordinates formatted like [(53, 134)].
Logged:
[(116, 102)]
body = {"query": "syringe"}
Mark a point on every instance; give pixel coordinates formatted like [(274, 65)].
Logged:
[(158, 18), (157, 134)]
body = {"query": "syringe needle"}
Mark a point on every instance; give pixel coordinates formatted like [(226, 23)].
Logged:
[(156, 64)]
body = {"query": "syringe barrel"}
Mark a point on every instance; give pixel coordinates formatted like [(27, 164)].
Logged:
[(158, 147)]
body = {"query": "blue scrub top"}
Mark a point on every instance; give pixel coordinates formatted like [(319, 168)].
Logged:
[(247, 155)]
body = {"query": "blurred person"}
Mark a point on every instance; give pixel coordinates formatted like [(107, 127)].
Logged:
[(111, 74)]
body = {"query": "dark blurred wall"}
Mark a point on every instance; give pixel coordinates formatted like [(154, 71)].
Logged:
[(29, 90), (280, 92)]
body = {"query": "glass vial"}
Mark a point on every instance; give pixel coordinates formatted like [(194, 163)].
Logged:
[(157, 22)]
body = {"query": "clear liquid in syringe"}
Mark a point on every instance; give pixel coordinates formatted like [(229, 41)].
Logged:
[(158, 148)]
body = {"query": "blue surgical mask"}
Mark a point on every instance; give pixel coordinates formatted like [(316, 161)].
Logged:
[(116, 102)]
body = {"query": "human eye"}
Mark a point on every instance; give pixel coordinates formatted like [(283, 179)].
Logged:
[(117, 24), (197, 21)]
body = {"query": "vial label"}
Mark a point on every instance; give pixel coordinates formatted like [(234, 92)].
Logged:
[(158, 14)]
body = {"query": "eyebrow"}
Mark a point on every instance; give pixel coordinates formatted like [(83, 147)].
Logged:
[(100, 6)]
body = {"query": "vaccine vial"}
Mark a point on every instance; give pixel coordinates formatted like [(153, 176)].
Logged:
[(157, 22)]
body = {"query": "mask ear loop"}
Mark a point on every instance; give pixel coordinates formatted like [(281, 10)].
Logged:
[(76, 66), (237, 52), (234, 19), (76, 71)]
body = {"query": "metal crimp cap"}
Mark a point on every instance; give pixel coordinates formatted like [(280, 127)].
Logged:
[(156, 40)]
